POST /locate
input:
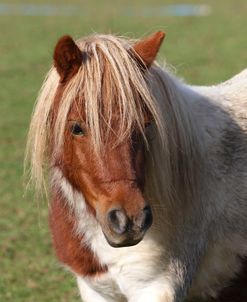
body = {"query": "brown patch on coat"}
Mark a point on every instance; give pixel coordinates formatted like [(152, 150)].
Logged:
[(68, 246), (237, 290), (115, 179), (67, 58), (148, 48), (116, 175)]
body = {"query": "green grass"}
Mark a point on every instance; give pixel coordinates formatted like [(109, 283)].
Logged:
[(204, 50)]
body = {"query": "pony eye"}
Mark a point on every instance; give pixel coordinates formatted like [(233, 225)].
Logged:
[(136, 139), (147, 125), (76, 129)]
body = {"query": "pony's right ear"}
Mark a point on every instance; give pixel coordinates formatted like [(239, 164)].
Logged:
[(67, 58)]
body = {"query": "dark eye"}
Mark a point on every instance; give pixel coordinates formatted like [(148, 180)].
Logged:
[(149, 131), (148, 124), (76, 129), (136, 139)]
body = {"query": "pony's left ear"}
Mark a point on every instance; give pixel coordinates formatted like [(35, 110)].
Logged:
[(148, 48), (67, 58)]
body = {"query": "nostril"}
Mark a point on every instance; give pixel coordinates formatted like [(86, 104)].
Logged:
[(118, 221), (147, 218)]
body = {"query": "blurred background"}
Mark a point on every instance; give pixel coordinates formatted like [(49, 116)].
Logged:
[(206, 44)]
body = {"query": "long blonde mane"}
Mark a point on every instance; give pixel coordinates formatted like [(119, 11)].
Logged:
[(126, 87)]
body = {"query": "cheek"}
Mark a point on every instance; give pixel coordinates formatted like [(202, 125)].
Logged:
[(72, 161), (74, 154), (78, 166)]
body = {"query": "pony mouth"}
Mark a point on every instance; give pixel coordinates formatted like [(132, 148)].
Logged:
[(128, 242)]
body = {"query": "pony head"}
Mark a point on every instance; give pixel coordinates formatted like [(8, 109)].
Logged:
[(90, 123)]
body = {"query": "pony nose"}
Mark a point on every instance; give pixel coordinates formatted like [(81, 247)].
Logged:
[(144, 220), (120, 223)]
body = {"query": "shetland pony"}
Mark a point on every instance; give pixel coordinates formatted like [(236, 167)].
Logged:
[(147, 175)]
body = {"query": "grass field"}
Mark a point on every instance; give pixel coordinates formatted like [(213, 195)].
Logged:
[(204, 50)]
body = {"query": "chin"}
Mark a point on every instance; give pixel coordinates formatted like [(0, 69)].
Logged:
[(124, 243)]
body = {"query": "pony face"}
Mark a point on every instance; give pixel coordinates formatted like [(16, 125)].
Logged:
[(111, 181), (91, 117)]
